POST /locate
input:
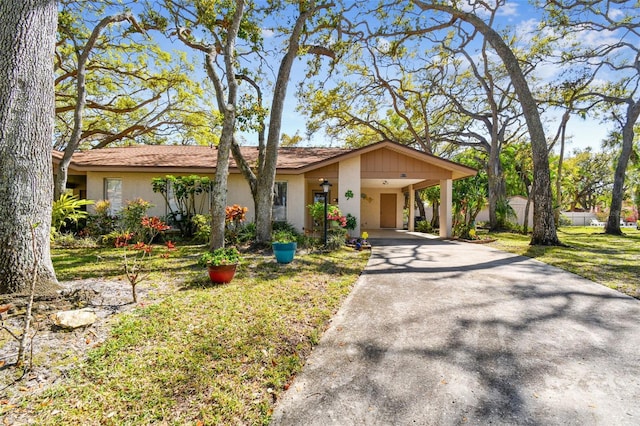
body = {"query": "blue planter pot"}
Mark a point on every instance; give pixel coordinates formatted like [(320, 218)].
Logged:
[(284, 251)]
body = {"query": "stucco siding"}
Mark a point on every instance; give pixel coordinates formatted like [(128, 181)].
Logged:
[(349, 180), (370, 207)]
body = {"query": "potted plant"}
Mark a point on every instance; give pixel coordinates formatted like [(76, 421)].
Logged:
[(284, 244), (221, 263)]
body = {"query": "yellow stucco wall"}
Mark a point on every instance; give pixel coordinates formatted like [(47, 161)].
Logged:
[(138, 185), (370, 207)]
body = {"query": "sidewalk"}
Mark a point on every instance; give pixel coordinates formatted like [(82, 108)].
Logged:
[(443, 333)]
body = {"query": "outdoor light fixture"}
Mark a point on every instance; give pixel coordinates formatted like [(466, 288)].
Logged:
[(325, 188)]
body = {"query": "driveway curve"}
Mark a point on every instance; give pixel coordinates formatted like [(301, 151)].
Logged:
[(447, 333)]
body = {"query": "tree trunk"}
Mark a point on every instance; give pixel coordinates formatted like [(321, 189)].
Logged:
[(563, 131), (27, 39), (421, 210), (497, 188), (266, 178), (544, 230), (613, 222)]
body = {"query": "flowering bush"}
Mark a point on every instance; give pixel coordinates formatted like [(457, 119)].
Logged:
[(134, 263), (235, 214), (342, 220)]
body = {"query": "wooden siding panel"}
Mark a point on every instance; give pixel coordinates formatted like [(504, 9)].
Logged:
[(329, 172), (388, 164)]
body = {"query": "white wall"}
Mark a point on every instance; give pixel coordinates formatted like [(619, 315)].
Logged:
[(518, 204), (349, 180)]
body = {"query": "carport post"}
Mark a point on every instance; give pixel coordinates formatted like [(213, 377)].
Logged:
[(446, 197), (412, 209)]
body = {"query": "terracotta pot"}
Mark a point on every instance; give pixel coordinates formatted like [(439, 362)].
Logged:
[(221, 274)]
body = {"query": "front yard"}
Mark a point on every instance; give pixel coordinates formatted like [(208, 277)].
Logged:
[(191, 352), (606, 259)]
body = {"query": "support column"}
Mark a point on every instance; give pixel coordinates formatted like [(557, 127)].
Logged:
[(412, 209), (349, 180), (446, 197)]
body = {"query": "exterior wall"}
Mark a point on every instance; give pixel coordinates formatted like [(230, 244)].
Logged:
[(518, 204), (138, 185), (296, 207), (370, 207), (579, 218), (349, 180), (388, 164)]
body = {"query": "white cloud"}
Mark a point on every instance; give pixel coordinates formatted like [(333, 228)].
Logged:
[(615, 13), (509, 9), (267, 33)]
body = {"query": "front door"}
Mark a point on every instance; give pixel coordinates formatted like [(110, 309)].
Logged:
[(388, 204)]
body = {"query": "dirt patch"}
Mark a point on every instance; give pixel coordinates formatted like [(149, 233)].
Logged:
[(54, 350)]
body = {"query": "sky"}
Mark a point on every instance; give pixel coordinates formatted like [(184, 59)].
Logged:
[(518, 13), (581, 133)]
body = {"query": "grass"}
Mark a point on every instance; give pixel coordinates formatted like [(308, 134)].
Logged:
[(205, 354), (606, 259)]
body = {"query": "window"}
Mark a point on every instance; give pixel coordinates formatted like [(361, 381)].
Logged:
[(279, 209), (113, 193)]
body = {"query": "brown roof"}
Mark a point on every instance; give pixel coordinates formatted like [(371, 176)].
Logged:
[(190, 157), (202, 159)]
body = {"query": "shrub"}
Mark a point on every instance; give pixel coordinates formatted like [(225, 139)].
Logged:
[(131, 217), (102, 222), (352, 222), (424, 226), (202, 228), (67, 210), (71, 241), (335, 239)]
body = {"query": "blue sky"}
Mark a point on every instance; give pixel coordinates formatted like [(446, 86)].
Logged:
[(581, 133), (517, 13)]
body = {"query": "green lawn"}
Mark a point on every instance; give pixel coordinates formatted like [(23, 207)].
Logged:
[(223, 354), (610, 260), (206, 354)]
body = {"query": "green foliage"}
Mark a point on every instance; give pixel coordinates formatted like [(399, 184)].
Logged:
[(284, 237), (220, 256), (110, 238), (202, 228), (240, 234), (67, 210), (352, 222), (316, 210), (284, 232), (469, 197), (131, 218), (505, 214), (102, 222), (66, 240), (424, 226), (335, 239), (189, 194), (135, 90)]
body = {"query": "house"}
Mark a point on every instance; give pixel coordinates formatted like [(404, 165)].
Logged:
[(376, 178)]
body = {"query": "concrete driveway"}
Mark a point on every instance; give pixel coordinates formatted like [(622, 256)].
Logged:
[(448, 333)]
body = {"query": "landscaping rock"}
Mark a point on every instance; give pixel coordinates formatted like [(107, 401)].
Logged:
[(74, 319)]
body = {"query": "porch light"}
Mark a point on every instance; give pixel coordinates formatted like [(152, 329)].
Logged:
[(325, 188)]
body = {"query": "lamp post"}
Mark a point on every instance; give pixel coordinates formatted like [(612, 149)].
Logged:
[(325, 188)]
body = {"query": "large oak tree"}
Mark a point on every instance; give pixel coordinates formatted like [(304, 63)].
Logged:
[(27, 41)]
